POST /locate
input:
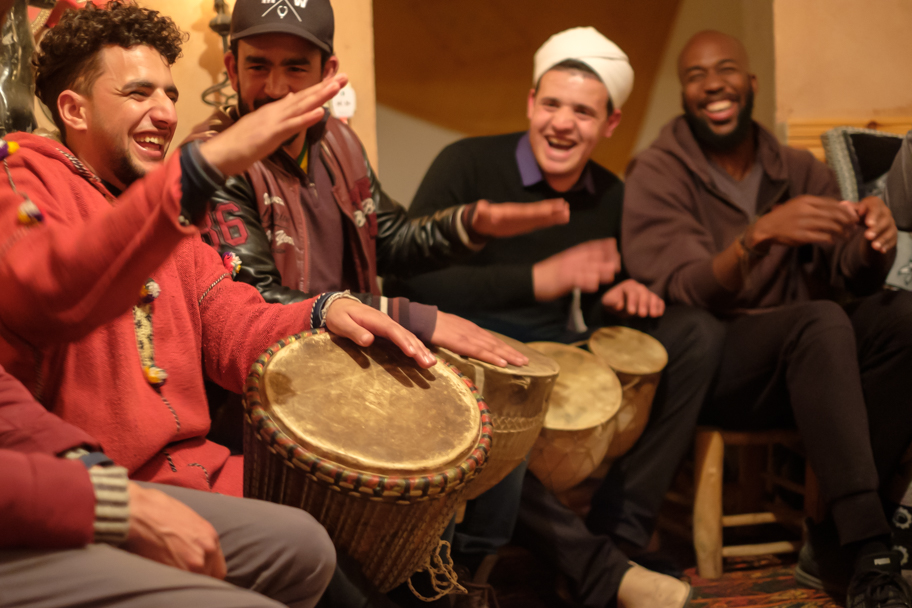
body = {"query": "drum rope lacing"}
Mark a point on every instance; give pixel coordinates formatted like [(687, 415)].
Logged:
[(439, 564)]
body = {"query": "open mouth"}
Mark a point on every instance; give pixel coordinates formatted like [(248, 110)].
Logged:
[(561, 144), (720, 111), (154, 144)]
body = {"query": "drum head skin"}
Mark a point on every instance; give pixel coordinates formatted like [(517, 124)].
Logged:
[(628, 351), (371, 409), (586, 394)]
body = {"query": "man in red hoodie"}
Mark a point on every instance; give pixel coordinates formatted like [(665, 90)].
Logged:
[(112, 308), (74, 531)]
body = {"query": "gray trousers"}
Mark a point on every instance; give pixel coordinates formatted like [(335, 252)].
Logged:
[(276, 556)]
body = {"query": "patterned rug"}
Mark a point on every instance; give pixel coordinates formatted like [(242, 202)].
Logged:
[(521, 581), (760, 582)]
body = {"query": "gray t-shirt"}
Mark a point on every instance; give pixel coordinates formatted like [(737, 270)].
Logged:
[(743, 193)]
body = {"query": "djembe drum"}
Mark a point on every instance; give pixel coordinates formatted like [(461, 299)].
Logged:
[(580, 421), (377, 449), (517, 398), (638, 360)]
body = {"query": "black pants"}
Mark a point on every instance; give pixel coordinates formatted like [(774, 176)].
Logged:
[(628, 500), (839, 374)]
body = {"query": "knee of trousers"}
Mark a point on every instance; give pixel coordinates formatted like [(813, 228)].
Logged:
[(695, 341), (302, 540), (821, 321)]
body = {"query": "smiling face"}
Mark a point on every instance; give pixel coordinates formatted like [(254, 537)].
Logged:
[(270, 66), (718, 89), (127, 119), (568, 116)]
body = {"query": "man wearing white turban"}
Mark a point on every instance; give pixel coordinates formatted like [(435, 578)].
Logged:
[(530, 289)]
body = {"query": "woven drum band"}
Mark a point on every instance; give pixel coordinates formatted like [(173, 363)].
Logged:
[(393, 488)]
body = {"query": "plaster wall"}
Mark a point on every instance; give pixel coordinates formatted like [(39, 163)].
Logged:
[(843, 59)]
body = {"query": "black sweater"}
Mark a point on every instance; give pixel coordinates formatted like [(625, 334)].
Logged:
[(494, 287)]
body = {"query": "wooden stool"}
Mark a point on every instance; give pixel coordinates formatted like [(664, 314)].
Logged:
[(754, 478)]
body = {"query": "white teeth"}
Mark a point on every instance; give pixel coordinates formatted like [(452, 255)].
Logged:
[(719, 106), (563, 143), (160, 141)]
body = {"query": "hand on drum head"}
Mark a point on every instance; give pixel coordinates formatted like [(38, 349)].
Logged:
[(629, 298), (169, 532), (360, 323), (467, 339), (510, 219), (585, 266)]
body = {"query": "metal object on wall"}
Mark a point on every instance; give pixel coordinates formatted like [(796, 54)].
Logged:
[(220, 93), (17, 83)]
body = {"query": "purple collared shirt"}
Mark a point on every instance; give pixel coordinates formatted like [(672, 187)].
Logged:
[(531, 173)]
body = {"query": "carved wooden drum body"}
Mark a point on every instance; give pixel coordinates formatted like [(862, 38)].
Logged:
[(375, 448), (518, 400), (638, 360), (580, 422)]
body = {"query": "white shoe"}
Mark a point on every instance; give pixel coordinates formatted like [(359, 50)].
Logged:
[(642, 588)]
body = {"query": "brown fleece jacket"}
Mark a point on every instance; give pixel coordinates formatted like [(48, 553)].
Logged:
[(676, 220)]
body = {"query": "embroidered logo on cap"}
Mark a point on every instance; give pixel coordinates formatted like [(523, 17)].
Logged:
[(283, 6)]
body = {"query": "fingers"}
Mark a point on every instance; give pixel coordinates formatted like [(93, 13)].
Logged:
[(614, 299), (360, 323), (511, 219), (467, 339), (656, 306), (880, 228)]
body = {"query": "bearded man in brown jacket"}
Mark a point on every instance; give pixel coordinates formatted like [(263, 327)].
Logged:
[(718, 214)]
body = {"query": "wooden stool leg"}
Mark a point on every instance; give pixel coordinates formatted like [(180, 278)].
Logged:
[(709, 452)]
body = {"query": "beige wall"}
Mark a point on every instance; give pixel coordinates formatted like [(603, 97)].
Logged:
[(201, 64), (749, 20), (843, 59), (408, 146)]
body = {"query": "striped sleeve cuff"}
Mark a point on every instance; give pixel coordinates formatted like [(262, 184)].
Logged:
[(112, 509), (462, 219)]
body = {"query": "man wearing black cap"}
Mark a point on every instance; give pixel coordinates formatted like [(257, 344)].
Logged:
[(312, 215)]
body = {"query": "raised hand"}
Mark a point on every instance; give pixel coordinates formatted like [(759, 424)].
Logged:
[(467, 339), (510, 219), (802, 220), (260, 133), (629, 298), (169, 532), (360, 324), (880, 228), (585, 266)]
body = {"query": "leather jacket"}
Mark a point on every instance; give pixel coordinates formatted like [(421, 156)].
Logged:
[(259, 217)]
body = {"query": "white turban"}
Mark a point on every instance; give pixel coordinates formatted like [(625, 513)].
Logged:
[(587, 45)]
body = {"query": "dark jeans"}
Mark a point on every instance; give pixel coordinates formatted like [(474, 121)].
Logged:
[(840, 375), (628, 500)]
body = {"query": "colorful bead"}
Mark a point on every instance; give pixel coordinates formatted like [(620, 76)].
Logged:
[(232, 263), (155, 376), (29, 214), (7, 148), (149, 292)]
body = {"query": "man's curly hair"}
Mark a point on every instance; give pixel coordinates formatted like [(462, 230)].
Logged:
[(68, 57)]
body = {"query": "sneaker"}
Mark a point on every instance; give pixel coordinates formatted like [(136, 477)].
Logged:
[(878, 583), (822, 563)]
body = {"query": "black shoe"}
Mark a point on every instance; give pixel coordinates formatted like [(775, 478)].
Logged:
[(822, 563), (878, 583), (480, 595)]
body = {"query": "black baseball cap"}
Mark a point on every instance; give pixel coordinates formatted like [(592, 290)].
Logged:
[(311, 20)]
